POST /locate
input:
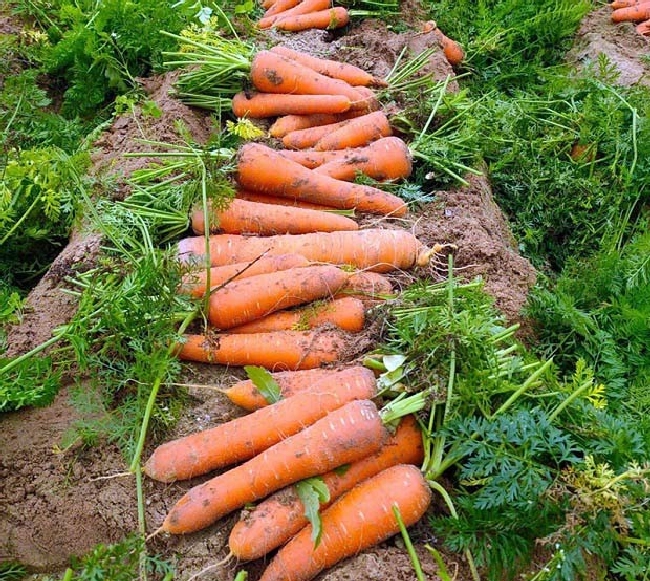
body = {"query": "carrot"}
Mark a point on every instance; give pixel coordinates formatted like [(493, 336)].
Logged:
[(279, 6), (349, 433), (634, 13), (323, 19), (360, 519), (304, 7), (381, 250), (450, 48), (644, 28), (369, 101), (275, 520), (262, 169), (288, 123), (387, 158), (371, 288), (242, 216), (623, 4), (356, 132), (246, 394), (273, 73), (346, 313), (304, 138), (244, 437), (259, 105), (276, 351), (277, 201), (253, 297), (193, 283), (332, 68), (266, 4)]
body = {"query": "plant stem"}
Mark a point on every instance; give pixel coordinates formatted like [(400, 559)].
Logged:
[(409, 545), (524, 387)]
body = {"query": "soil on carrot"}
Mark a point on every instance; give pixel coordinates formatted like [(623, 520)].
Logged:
[(55, 505)]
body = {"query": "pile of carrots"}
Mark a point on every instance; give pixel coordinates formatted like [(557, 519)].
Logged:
[(633, 11), (323, 420), (297, 15), (290, 278)]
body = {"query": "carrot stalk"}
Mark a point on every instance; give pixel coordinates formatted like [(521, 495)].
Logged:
[(332, 68), (253, 297), (275, 520), (323, 19), (349, 433), (360, 519), (245, 216), (276, 351), (260, 105), (244, 437), (246, 394), (262, 169), (274, 73), (193, 283), (378, 249), (346, 313)]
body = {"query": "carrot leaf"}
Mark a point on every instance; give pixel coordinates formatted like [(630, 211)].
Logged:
[(264, 382), (312, 493)]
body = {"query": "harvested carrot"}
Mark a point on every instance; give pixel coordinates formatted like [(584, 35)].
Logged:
[(194, 283), (266, 4), (349, 433), (359, 131), (274, 73), (346, 313), (304, 7), (387, 158), (450, 48), (277, 351), (308, 137), (623, 4), (275, 520), (253, 297), (244, 216), (244, 437), (277, 201), (262, 169), (288, 123), (281, 6), (260, 105), (369, 101), (246, 394), (378, 249), (644, 28), (323, 19), (360, 519), (332, 68), (634, 13)]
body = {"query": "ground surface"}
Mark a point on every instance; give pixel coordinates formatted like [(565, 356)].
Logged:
[(54, 505)]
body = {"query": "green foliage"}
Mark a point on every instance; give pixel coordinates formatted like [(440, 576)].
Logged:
[(12, 572), (34, 382), (37, 208), (509, 42)]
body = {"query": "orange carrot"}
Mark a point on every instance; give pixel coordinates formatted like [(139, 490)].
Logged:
[(279, 6), (305, 7), (244, 216), (304, 138), (369, 101), (253, 297), (244, 437), (275, 520), (356, 132), (349, 433), (644, 28), (277, 201), (371, 288), (266, 4), (387, 158), (259, 105), (277, 351), (273, 73), (323, 19), (360, 519), (332, 68), (378, 249), (246, 394), (451, 49), (634, 13), (262, 169), (194, 283), (623, 4), (346, 313), (288, 123)]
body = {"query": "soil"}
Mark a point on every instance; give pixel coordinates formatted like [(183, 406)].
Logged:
[(54, 505)]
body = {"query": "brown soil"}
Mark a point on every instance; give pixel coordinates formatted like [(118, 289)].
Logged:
[(55, 505)]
